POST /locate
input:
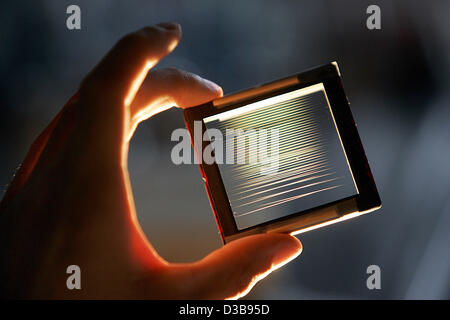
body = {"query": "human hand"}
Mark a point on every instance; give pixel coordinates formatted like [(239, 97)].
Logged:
[(71, 200)]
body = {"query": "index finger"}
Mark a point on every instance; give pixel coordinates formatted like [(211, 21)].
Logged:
[(124, 68)]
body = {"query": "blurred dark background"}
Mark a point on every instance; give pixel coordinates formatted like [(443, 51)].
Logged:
[(396, 79)]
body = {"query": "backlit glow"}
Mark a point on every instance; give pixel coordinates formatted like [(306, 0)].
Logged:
[(136, 84), (327, 223), (261, 276), (264, 103), (172, 45)]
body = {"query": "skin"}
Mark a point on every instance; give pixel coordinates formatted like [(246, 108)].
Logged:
[(71, 201)]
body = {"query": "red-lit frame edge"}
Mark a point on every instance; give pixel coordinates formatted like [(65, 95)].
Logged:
[(365, 201)]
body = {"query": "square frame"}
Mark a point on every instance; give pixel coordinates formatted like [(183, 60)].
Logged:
[(367, 198)]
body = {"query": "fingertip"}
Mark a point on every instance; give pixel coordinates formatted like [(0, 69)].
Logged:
[(214, 88), (278, 248), (272, 251), (220, 93), (287, 249), (174, 33), (200, 91), (231, 271)]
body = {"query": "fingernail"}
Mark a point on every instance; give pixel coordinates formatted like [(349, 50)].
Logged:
[(286, 251), (169, 25)]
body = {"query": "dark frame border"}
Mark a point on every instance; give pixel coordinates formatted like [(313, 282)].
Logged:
[(367, 198)]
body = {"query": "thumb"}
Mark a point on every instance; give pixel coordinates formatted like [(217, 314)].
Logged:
[(168, 87), (233, 270)]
